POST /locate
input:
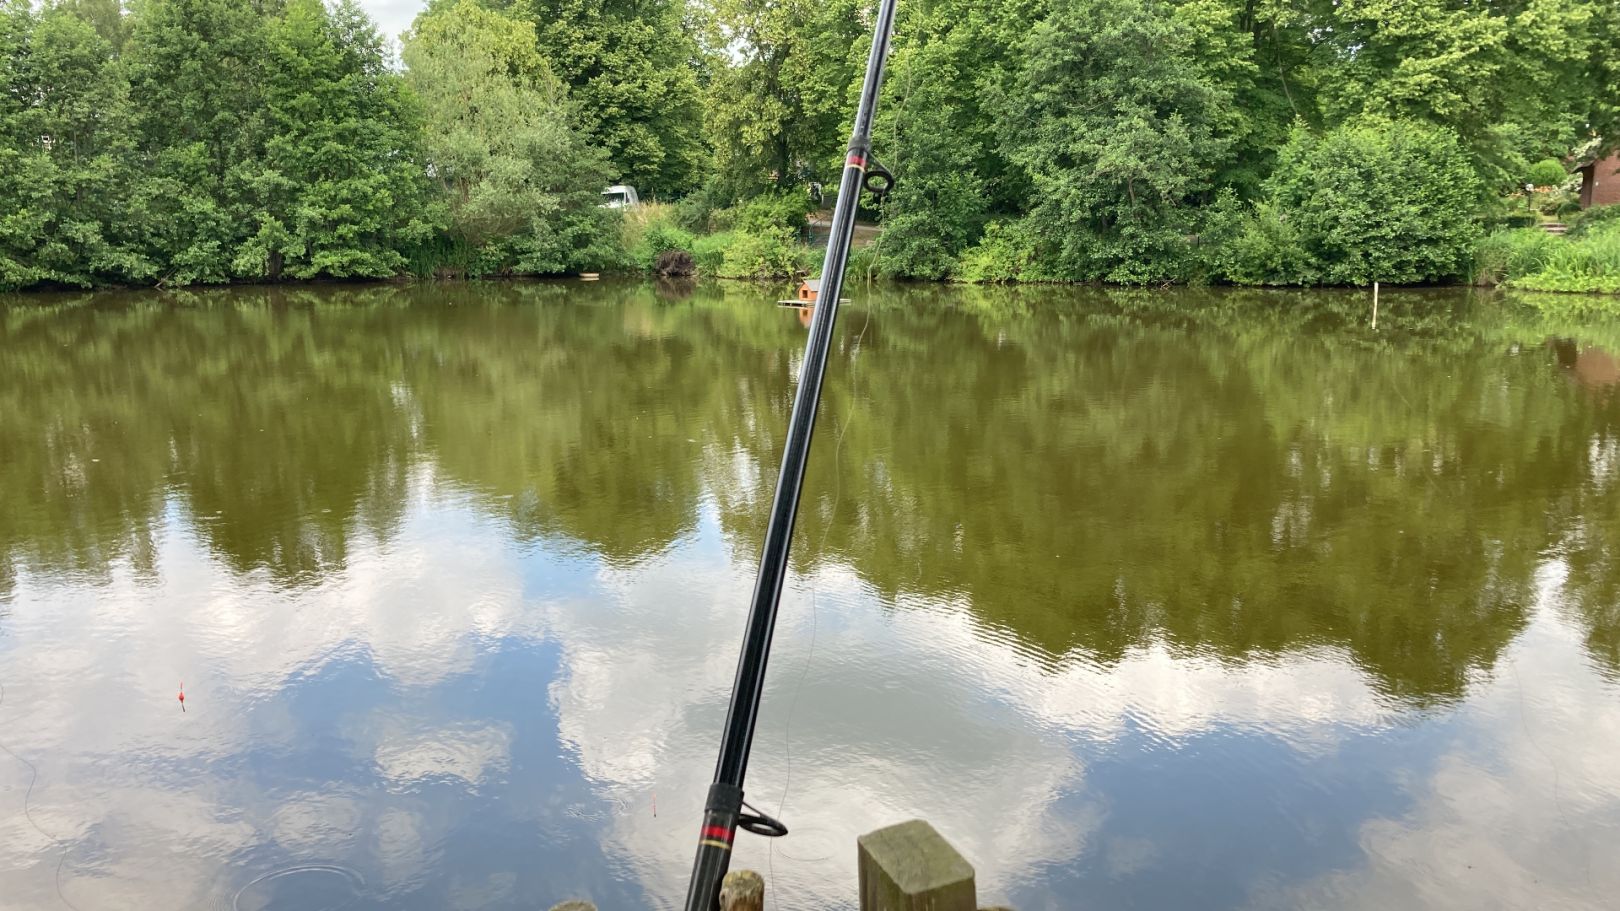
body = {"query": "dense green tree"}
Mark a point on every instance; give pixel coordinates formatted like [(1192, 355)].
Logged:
[(66, 159), (1509, 77), (1121, 132), (107, 16), (197, 71), (629, 69), (1240, 45), (628, 66), (342, 190), (777, 110), (937, 127), (194, 141), (1374, 200), (1602, 91), (523, 186), (939, 209)]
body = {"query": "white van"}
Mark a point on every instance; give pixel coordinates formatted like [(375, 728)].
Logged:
[(620, 197)]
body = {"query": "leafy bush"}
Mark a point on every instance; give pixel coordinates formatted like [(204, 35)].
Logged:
[(1008, 252), (661, 238), (766, 253), (1588, 264), (1593, 219), (695, 210), (709, 252), (765, 213), (1548, 172), (940, 208), (1513, 221), (1267, 251), (1377, 200), (1502, 256), (1120, 131), (650, 230)]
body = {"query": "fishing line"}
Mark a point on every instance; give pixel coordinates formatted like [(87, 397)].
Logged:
[(810, 656), (838, 477), (28, 813), (722, 811)]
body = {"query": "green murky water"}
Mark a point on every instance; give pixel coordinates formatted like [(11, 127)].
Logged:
[(1144, 599)]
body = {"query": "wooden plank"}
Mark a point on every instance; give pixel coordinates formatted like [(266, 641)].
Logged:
[(911, 867)]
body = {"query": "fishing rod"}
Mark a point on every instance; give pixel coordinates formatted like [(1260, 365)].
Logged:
[(723, 811)]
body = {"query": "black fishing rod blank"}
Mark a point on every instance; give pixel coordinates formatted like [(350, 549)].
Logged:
[(723, 812)]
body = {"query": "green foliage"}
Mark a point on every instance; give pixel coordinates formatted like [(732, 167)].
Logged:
[(1009, 251), (1589, 264), (1595, 218), (1534, 260), (776, 107), (342, 190), (627, 66), (1121, 132), (1511, 79), (939, 209), (66, 154), (1508, 254), (650, 230), (695, 211), (1267, 249), (761, 253), (1374, 200), (765, 213), (197, 73), (1548, 172), (709, 252), (1127, 141), (523, 187)]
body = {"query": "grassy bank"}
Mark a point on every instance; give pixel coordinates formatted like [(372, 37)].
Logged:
[(1587, 260), (759, 239)]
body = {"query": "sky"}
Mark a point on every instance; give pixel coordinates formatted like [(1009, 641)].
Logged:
[(393, 16)]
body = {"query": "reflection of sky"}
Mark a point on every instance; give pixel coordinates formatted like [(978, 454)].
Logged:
[(456, 720)]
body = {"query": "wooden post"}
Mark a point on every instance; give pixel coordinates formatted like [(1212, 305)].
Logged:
[(574, 906), (1375, 305), (742, 890), (911, 867)]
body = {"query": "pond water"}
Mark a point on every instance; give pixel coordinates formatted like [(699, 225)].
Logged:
[(1158, 600)]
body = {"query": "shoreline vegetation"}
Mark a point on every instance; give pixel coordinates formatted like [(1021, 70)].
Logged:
[(1120, 142)]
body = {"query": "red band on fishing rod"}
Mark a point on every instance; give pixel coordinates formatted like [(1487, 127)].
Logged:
[(719, 832), (856, 160)]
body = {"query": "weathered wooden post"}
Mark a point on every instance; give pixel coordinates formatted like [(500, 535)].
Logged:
[(573, 906), (742, 890), (911, 867)]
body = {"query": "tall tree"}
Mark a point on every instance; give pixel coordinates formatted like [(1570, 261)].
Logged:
[(196, 68), (1121, 132), (342, 188), (522, 184), (629, 69), (1510, 77), (937, 129), (66, 158), (107, 16), (777, 111)]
